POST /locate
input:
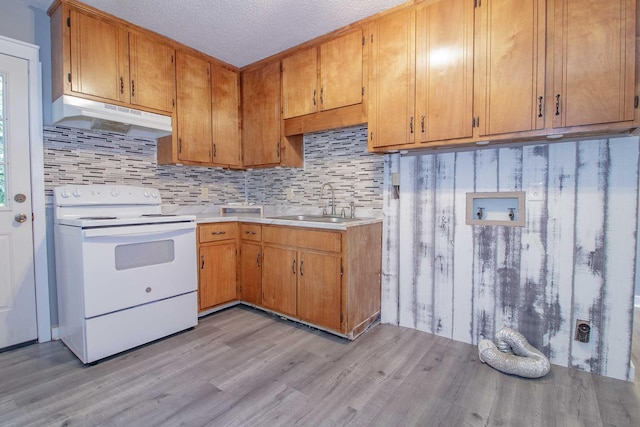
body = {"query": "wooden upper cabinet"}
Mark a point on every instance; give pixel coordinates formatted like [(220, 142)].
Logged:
[(341, 71), (510, 64), (593, 61), (152, 73), (225, 108), (261, 116), (324, 77), (444, 71), (392, 79), (300, 83), (193, 108), (99, 64)]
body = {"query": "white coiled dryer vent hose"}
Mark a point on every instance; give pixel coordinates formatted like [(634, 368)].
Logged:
[(512, 354)]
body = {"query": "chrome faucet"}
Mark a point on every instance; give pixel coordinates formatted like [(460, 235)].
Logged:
[(333, 197)]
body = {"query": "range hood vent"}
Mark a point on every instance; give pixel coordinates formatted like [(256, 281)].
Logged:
[(87, 114)]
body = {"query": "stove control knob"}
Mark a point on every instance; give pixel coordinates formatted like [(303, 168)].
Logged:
[(65, 194), (154, 194), (146, 193), (115, 192), (77, 193)]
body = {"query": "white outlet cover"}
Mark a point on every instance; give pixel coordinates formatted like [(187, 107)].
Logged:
[(536, 191)]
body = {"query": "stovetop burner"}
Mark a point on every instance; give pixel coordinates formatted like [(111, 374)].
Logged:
[(93, 218)]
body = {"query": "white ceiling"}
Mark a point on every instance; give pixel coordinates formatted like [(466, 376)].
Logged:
[(239, 32)]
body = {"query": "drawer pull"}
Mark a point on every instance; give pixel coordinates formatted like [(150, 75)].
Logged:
[(250, 232), (218, 233)]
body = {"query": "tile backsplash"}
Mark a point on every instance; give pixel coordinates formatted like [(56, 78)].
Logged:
[(338, 156)]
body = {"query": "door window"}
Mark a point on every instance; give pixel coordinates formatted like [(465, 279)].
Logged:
[(3, 161)]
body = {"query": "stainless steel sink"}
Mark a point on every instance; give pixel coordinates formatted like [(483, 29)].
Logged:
[(316, 218)]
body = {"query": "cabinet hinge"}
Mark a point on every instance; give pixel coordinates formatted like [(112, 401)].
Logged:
[(362, 90), (477, 3), (172, 59), (636, 101), (341, 318), (69, 77), (372, 135), (179, 145), (68, 22), (341, 270), (372, 38), (475, 122), (278, 149), (362, 40)]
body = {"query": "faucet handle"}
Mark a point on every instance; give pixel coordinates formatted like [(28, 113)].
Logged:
[(342, 214), (352, 205)]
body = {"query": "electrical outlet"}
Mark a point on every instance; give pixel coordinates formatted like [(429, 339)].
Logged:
[(204, 192), (290, 194), (583, 329), (536, 191)]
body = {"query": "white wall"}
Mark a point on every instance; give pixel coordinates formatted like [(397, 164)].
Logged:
[(17, 21), (574, 258)]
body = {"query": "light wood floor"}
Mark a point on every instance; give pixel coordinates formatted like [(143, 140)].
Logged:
[(244, 368)]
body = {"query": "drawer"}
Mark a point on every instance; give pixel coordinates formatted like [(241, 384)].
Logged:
[(329, 241), (251, 232), (217, 231)]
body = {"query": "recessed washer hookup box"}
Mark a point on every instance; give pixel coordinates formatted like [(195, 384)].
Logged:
[(241, 210)]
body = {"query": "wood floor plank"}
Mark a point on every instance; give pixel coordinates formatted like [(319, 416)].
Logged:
[(242, 367)]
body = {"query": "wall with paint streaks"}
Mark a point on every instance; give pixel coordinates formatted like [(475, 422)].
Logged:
[(574, 258)]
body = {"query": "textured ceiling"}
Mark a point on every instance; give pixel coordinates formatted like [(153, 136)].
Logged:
[(239, 32)]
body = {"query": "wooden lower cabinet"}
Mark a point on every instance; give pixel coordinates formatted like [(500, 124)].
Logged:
[(326, 278), (279, 280), (217, 264), (251, 273), (319, 289)]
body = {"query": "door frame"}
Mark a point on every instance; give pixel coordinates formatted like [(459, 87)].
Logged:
[(30, 53)]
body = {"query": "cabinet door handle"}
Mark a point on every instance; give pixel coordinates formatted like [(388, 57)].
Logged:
[(258, 260), (201, 262), (301, 270), (293, 267), (422, 122), (540, 106), (121, 85), (557, 104), (321, 95), (218, 233), (314, 97), (215, 150), (133, 88), (411, 124)]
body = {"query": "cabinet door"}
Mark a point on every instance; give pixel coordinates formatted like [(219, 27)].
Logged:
[(319, 289), (99, 57), (392, 80), (251, 273), (225, 100), (152, 73), (341, 71), (300, 83), (510, 64), (261, 115), (444, 71), (193, 109), (279, 278), (594, 67), (217, 275)]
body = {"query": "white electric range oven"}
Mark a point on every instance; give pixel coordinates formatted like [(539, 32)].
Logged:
[(126, 273)]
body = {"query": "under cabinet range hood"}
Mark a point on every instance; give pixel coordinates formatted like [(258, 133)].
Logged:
[(87, 114)]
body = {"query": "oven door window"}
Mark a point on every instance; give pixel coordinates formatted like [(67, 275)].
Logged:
[(143, 254)]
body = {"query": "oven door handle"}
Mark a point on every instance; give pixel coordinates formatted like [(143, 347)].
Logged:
[(139, 230)]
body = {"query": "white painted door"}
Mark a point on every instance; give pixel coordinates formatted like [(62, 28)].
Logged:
[(17, 281)]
